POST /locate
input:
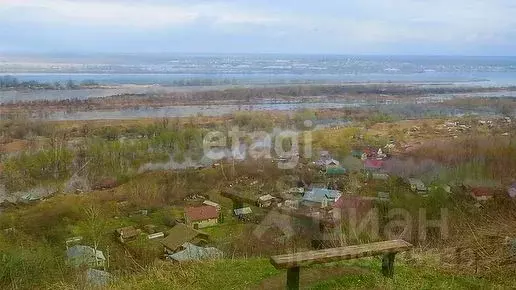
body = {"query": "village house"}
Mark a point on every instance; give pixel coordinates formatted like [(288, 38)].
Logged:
[(181, 234), (331, 162), (81, 255), (373, 165), (325, 160), (202, 216), (320, 197), (482, 193), (127, 233), (380, 155)]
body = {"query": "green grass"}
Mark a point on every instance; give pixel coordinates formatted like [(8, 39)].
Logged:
[(251, 273), (406, 277), (226, 231), (223, 274)]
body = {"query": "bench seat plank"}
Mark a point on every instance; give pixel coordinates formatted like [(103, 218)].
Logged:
[(337, 254)]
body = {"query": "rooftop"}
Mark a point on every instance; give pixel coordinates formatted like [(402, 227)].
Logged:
[(373, 164), (319, 194), (201, 213), (211, 203), (193, 252), (243, 211), (80, 254), (482, 191), (179, 235)]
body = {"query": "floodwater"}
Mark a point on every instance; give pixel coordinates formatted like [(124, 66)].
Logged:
[(193, 110), (83, 94)]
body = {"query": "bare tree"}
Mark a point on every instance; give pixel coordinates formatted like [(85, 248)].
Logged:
[(94, 227)]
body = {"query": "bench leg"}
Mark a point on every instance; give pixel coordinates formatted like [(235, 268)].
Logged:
[(293, 278), (388, 265)]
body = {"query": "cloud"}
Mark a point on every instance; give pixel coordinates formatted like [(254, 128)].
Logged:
[(325, 26), (145, 14)]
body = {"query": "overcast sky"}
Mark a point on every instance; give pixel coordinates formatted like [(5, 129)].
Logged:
[(455, 27)]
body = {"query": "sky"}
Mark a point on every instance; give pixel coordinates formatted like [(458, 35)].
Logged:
[(404, 27)]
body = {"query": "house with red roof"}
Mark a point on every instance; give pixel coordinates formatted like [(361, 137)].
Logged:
[(482, 193), (373, 165), (202, 216)]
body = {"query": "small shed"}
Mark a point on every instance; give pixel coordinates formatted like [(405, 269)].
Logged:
[(191, 252), (156, 236), (417, 185), (243, 211), (202, 216), (80, 255), (335, 171), (266, 200), (127, 233), (357, 154), (97, 278)]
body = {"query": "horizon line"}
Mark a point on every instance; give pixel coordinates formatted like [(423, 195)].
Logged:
[(4, 54)]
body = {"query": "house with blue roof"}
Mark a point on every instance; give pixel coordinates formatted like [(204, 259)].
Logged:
[(322, 197)]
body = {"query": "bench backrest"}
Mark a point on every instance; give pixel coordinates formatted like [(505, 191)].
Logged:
[(337, 254)]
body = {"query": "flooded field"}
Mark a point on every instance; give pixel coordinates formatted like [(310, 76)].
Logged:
[(196, 110)]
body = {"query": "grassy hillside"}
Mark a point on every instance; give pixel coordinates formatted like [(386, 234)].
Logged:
[(259, 274)]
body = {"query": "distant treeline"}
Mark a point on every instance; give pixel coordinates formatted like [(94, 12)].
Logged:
[(247, 94), (200, 82), (10, 82)]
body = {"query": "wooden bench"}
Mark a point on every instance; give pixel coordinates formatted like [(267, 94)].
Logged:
[(292, 262)]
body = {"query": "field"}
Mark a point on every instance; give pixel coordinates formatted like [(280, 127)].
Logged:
[(98, 176)]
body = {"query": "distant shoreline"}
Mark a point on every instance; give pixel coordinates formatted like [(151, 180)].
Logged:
[(161, 101)]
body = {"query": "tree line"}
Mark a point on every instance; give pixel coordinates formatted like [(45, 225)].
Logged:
[(11, 82)]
